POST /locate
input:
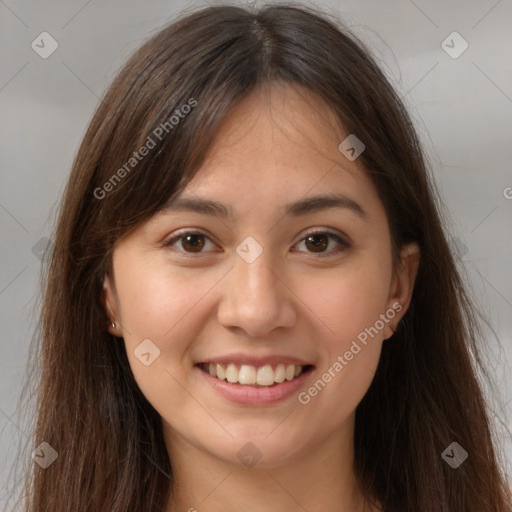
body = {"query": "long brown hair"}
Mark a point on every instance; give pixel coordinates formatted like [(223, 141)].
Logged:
[(425, 394)]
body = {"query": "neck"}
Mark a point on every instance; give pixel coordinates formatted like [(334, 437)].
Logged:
[(320, 478)]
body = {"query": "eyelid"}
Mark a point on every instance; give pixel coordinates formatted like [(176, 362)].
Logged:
[(324, 231), (340, 238), (176, 235), (186, 231)]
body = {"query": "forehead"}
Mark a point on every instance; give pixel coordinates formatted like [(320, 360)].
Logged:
[(275, 146)]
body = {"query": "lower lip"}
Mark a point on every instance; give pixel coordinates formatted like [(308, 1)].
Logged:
[(252, 395)]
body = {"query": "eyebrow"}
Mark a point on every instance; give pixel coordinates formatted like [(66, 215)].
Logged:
[(302, 207)]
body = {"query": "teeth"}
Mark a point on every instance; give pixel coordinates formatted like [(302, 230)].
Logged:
[(247, 375), (265, 375), (221, 373), (280, 373), (232, 373), (251, 375)]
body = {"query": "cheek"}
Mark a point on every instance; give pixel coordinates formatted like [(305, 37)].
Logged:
[(155, 298), (351, 300), (351, 303), (166, 307), (163, 305)]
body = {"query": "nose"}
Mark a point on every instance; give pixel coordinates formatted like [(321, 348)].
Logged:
[(256, 298)]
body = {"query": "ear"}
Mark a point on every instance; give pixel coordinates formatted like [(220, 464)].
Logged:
[(109, 303), (402, 285)]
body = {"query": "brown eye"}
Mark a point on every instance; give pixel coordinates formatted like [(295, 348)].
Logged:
[(318, 243), (190, 242), (193, 241)]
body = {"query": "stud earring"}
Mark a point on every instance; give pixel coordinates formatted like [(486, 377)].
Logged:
[(113, 325)]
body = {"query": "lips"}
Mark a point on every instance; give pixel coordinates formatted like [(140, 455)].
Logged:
[(255, 380), (255, 395)]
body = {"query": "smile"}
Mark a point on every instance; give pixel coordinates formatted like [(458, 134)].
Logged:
[(249, 375)]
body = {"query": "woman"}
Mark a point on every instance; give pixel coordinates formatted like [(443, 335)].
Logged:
[(251, 302)]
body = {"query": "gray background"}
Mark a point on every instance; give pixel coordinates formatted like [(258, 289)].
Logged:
[(462, 108)]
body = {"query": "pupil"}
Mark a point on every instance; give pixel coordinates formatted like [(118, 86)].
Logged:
[(198, 244), (321, 244)]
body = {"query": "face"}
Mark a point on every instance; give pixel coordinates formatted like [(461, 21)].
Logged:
[(268, 291)]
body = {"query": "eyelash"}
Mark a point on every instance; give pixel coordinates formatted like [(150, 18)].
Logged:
[(339, 239)]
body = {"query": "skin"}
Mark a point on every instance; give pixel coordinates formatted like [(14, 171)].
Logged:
[(278, 146)]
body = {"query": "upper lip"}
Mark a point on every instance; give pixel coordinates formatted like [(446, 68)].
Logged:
[(240, 359)]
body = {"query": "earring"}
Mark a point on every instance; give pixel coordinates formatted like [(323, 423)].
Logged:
[(111, 321)]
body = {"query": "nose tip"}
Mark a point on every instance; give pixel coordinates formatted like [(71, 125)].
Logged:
[(255, 299)]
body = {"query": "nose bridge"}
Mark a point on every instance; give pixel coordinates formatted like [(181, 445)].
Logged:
[(255, 299), (257, 278), (252, 268)]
